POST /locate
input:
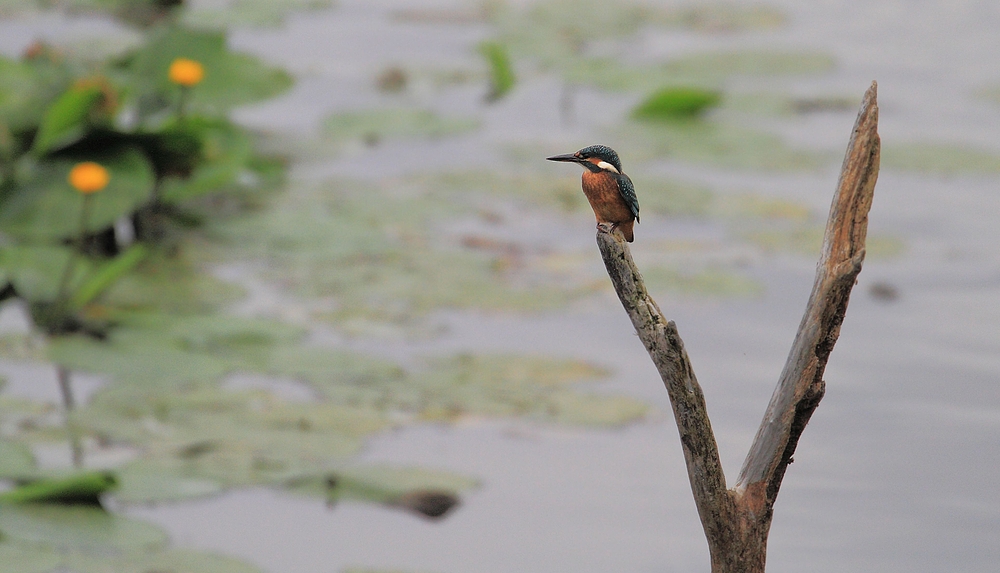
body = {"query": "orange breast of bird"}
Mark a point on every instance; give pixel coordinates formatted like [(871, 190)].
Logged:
[(609, 206)]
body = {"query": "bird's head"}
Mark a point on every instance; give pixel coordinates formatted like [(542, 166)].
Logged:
[(595, 158)]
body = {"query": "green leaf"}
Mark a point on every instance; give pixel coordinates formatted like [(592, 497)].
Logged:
[(77, 528), (43, 207), (137, 357), (78, 488), (146, 481), (676, 103), (35, 271), (66, 120), (231, 79), (15, 558), (28, 89), (225, 154), (502, 77), (107, 275)]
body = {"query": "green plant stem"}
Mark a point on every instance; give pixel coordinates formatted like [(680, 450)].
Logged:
[(62, 296), (69, 404), (182, 102)]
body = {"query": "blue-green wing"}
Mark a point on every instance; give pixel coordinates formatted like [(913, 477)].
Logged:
[(627, 190)]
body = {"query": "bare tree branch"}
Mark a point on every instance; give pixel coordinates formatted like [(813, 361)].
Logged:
[(801, 386), (665, 347), (737, 521)]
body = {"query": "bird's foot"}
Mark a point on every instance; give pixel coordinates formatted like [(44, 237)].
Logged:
[(608, 228)]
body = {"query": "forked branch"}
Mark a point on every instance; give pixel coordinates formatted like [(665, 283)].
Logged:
[(737, 521)]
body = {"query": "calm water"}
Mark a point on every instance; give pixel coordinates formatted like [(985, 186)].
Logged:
[(896, 471)]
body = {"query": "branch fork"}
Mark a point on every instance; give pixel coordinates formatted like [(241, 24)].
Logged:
[(737, 520)]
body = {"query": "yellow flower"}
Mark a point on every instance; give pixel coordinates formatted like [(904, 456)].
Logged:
[(88, 177), (186, 72)]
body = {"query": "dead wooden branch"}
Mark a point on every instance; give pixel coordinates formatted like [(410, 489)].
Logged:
[(736, 521)]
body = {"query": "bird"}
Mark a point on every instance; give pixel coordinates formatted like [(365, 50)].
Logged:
[(609, 190)]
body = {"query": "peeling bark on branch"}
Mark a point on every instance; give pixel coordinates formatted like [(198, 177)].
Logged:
[(737, 521)]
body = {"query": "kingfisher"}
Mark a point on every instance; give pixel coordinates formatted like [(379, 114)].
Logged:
[(608, 189)]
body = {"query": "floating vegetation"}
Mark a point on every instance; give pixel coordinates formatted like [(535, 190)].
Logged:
[(753, 206), (260, 13), (749, 63), (15, 459), (45, 209), (178, 560), (673, 103), (447, 15), (774, 104), (376, 258), (555, 31), (560, 192), (77, 529), (231, 78), (430, 493), (375, 126), (807, 239), (150, 481), (173, 284), (705, 69), (940, 158), (720, 144), (706, 282)]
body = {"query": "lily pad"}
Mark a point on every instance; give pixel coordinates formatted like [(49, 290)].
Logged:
[(375, 259), (260, 13), (156, 349), (555, 31), (230, 438), (706, 69), (380, 483), (231, 79), (807, 240), (77, 528), (172, 285), (146, 481), (16, 558), (15, 460), (226, 155), (137, 357), (718, 144), (45, 208), (940, 158), (35, 271), (375, 125), (707, 282), (169, 560)]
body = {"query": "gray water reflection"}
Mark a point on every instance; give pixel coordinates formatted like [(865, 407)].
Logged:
[(896, 471)]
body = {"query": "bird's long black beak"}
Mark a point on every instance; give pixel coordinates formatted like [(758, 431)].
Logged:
[(570, 157)]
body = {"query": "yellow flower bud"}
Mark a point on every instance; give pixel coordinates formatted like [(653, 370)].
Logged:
[(88, 177), (186, 72)]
